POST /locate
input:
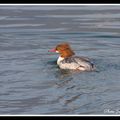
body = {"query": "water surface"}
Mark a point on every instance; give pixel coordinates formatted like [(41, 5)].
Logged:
[(30, 80)]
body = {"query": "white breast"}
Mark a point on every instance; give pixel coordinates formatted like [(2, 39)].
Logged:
[(59, 60)]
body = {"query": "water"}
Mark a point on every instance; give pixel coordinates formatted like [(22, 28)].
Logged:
[(30, 80)]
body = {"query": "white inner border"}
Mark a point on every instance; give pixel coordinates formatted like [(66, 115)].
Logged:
[(60, 5)]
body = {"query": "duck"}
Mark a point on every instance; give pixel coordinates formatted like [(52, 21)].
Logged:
[(68, 60)]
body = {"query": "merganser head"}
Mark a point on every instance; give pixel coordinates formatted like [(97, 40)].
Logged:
[(63, 49)]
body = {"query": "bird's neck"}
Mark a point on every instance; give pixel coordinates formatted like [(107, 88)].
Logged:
[(60, 59)]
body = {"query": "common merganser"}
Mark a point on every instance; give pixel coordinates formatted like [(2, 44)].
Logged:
[(68, 60)]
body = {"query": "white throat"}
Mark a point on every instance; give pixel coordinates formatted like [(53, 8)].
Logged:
[(59, 60)]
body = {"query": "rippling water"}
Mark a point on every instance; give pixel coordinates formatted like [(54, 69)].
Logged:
[(30, 80)]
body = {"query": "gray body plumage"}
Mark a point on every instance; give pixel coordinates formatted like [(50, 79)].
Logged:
[(76, 62)]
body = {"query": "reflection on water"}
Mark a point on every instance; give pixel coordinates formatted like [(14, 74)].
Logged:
[(30, 80)]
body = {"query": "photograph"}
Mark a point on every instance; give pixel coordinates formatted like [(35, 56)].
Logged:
[(60, 59)]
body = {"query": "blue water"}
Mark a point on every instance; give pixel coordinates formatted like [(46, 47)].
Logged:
[(30, 80)]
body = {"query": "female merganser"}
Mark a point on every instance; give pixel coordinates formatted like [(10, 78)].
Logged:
[(68, 60)]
